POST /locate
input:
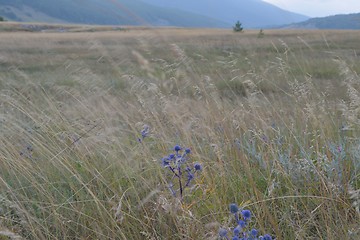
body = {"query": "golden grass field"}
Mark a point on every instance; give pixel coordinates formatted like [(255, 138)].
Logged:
[(273, 120)]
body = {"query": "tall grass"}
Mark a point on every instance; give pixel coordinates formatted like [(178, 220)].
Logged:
[(273, 121)]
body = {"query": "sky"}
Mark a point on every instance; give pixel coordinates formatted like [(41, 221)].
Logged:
[(318, 8)]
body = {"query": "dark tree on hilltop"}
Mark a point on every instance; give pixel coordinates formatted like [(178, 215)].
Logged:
[(238, 27), (1, 19)]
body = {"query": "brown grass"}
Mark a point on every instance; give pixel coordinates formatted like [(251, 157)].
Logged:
[(273, 120)]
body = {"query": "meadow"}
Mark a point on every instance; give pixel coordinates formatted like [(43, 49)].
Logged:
[(86, 117)]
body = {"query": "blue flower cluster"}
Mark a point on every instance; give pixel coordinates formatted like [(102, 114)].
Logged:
[(144, 133), (180, 170), (239, 232)]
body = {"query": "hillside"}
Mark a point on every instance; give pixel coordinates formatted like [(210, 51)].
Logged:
[(184, 13), (341, 21), (124, 12), (251, 13)]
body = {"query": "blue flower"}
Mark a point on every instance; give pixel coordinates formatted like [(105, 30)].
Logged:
[(179, 169), (246, 214), (254, 232), (145, 131), (165, 162), (234, 208), (242, 224), (197, 167), (177, 148), (222, 232), (237, 230), (267, 237), (240, 232)]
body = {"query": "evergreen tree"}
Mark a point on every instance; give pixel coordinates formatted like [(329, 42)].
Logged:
[(238, 27)]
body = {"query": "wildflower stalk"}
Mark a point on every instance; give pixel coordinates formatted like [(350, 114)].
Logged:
[(178, 165), (179, 179)]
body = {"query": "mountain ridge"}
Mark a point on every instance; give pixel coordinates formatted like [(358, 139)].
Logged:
[(251, 13), (185, 13), (133, 12), (338, 21)]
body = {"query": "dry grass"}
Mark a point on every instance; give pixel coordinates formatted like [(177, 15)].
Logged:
[(273, 120)]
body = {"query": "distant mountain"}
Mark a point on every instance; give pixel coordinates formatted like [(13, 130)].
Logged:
[(184, 13), (341, 21), (251, 13), (101, 12)]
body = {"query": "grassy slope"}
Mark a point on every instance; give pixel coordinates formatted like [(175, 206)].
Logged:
[(273, 120)]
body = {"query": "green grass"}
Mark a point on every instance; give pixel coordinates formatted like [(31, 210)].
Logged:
[(273, 121)]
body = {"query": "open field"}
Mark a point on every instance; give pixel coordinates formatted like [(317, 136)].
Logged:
[(273, 121)]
